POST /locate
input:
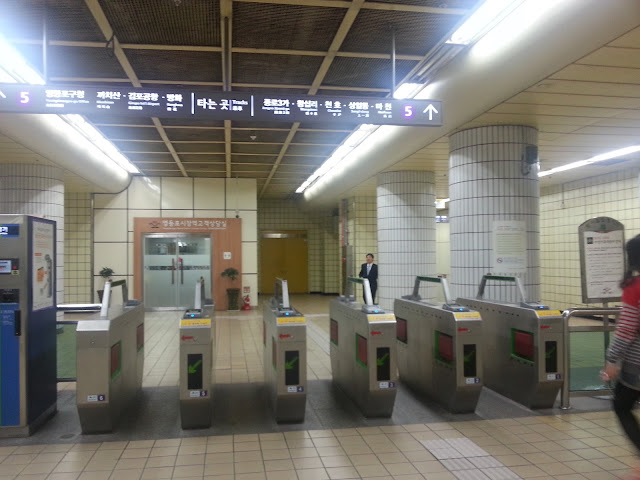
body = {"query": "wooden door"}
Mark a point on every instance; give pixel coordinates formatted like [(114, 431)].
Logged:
[(284, 254)]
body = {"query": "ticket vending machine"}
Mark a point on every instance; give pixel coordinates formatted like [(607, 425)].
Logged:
[(27, 323)]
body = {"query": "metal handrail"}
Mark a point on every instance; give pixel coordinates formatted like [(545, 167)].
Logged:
[(566, 315)]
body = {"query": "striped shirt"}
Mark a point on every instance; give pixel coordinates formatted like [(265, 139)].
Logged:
[(625, 347)]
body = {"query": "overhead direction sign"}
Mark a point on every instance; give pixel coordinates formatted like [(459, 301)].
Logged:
[(216, 105)]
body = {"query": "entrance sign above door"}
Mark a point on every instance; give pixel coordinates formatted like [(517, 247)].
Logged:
[(215, 105)]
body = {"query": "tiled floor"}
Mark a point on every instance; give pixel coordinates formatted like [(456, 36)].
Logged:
[(588, 445)]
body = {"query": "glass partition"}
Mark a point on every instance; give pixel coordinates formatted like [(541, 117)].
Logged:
[(66, 340)]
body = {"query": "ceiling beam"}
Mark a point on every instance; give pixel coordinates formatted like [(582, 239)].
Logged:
[(336, 43), (368, 5), (107, 31), (218, 84), (197, 48), (226, 25)]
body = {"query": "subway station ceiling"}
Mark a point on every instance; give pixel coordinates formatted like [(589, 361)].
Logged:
[(313, 47)]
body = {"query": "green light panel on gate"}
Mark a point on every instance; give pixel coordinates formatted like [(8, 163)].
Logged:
[(291, 367), (551, 356), (194, 371), (470, 366), (383, 364)]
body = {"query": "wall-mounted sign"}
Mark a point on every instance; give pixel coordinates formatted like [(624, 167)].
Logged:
[(601, 259), (509, 246), (216, 105)]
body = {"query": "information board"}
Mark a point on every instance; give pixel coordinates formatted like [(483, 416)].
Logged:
[(601, 259), (216, 105)]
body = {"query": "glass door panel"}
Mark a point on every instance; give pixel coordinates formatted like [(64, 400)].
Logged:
[(159, 267), (194, 262), (172, 264)]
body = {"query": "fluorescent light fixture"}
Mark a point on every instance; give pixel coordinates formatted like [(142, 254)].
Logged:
[(350, 143), (621, 152), (480, 21), (407, 90), (99, 141), (15, 69), (441, 203)]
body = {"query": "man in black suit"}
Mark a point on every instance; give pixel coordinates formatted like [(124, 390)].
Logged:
[(369, 271)]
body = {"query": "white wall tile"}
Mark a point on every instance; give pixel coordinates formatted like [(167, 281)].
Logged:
[(249, 257), (106, 200), (208, 214), (241, 194), (110, 225), (113, 255), (177, 193), (132, 214), (177, 213), (208, 193), (144, 193), (249, 225)]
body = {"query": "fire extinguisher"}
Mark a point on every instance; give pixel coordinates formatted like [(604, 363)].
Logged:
[(246, 303)]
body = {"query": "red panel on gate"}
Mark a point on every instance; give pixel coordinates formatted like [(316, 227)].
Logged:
[(361, 354), (445, 347), (401, 329), (334, 332), (523, 345)]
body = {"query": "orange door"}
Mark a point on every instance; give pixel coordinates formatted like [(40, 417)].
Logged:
[(285, 255)]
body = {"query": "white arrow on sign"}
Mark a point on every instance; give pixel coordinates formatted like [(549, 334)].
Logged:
[(431, 109), (2, 94)]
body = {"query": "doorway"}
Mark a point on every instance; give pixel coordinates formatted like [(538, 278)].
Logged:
[(284, 255), (172, 265)]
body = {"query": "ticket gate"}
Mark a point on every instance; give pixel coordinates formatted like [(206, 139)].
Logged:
[(523, 348), (110, 363), (439, 348), (28, 394), (197, 365), (284, 336), (363, 352)]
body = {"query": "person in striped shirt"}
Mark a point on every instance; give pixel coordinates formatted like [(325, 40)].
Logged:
[(623, 355)]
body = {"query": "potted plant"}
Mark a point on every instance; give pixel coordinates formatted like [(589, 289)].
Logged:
[(105, 273), (233, 294)]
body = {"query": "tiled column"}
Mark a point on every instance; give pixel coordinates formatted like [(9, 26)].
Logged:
[(406, 234), (37, 190), (489, 181)]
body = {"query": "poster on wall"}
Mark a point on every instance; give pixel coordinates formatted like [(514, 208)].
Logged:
[(509, 246), (601, 259), (42, 245)]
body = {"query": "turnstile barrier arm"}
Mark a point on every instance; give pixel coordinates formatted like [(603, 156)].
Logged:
[(199, 295), (501, 278), (421, 278), (565, 403), (106, 296), (282, 293), (367, 288)]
